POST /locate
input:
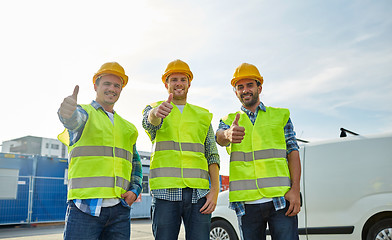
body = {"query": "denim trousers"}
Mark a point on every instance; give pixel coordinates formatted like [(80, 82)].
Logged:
[(113, 223), (253, 224), (167, 216)]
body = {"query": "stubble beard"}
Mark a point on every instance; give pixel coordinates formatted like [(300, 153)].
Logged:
[(251, 102)]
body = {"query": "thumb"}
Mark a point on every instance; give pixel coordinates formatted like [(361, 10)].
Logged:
[(75, 92), (237, 117), (170, 98)]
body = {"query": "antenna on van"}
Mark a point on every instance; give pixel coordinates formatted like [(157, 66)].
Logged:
[(301, 140), (343, 132)]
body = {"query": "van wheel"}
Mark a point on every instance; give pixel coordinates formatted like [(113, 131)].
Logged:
[(381, 230), (222, 230)]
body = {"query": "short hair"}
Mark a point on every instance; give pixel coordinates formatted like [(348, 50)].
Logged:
[(187, 77)]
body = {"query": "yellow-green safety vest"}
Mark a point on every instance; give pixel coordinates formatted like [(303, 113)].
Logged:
[(178, 159), (258, 165), (100, 163)]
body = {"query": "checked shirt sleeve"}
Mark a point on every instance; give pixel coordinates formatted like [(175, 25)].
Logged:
[(211, 151), (291, 140), (137, 174), (75, 124), (150, 129)]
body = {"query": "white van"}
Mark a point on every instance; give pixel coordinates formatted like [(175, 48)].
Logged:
[(346, 189)]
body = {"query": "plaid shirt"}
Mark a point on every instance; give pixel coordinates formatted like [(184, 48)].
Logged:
[(211, 154), (291, 145), (75, 126)]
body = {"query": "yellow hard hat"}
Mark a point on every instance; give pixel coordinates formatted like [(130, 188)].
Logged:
[(246, 71), (112, 68), (177, 66)]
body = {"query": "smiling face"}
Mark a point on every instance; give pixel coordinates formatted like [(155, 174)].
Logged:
[(108, 89), (178, 84), (248, 91)]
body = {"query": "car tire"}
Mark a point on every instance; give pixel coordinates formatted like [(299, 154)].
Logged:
[(380, 230), (222, 230)]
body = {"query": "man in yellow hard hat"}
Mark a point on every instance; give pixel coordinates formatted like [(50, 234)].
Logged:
[(104, 176), (184, 160), (265, 167)]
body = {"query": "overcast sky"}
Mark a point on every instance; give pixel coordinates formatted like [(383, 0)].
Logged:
[(329, 62)]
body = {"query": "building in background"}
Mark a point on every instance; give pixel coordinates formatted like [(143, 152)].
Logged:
[(35, 146)]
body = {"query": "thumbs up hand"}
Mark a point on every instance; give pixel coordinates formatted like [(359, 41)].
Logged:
[(164, 108), (236, 133), (68, 106)]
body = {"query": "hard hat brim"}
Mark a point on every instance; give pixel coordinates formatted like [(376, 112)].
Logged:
[(168, 73), (257, 78), (123, 77)]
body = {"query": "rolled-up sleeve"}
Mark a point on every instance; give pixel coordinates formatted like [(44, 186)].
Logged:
[(150, 128), (211, 151), (137, 174), (290, 136), (75, 124)]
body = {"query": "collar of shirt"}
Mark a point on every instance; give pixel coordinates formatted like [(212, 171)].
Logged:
[(96, 105), (252, 115)]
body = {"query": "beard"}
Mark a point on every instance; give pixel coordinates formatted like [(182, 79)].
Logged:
[(249, 103)]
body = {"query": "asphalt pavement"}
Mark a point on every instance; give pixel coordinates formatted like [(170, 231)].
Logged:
[(140, 230)]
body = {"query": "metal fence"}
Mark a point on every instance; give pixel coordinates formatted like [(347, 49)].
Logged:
[(43, 199), (38, 199), (33, 189)]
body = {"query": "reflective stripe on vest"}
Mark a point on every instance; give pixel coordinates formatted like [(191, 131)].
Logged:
[(260, 154), (97, 182), (103, 151), (176, 172), (261, 183), (172, 145)]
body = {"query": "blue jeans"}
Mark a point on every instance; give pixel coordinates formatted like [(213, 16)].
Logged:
[(253, 224), (113, 223), (167, 215)]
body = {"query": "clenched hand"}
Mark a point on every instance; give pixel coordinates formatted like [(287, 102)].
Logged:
[(68, 106)]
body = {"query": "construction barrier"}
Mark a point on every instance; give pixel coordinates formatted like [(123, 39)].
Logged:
[(33, 189)]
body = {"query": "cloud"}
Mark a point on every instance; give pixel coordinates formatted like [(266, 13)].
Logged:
[(321, 59)]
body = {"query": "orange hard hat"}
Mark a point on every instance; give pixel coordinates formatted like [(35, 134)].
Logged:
[(177, 66), (246, 71), (112, 68)]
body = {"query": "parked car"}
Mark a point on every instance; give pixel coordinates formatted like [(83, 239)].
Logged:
[(346, 189), (224, 225)]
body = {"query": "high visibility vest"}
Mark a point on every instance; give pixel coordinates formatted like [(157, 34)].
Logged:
[(100, 163), (258, 165), (178, 159)]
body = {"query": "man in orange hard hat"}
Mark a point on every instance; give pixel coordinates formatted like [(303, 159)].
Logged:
[(104, 177), (265, 167), (185, 158)]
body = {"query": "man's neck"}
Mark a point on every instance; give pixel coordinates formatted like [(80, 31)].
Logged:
[(253, 108), (179, 102)]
